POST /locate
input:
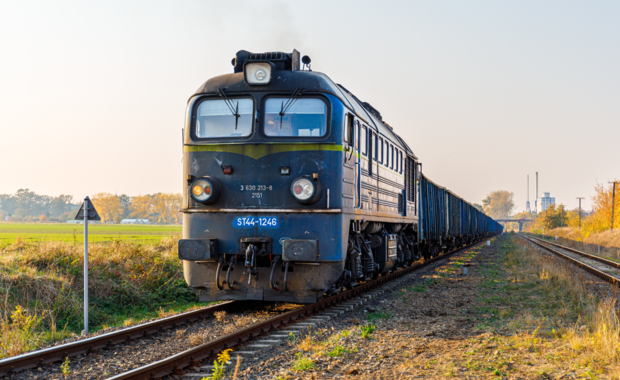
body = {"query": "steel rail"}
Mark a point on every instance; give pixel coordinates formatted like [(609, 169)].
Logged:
[(600, 274), (58, 353), (588, 255), (175, 363)]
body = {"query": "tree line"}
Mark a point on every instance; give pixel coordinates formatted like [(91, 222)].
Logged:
[(598, 220), (160, 208), (28, 206)]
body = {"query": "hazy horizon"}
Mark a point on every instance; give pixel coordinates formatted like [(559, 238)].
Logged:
[(93, 94)]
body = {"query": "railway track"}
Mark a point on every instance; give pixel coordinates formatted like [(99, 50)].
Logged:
[(606, 270), (175, 364), (78, 347)]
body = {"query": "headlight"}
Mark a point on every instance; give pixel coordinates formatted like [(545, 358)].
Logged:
[(206, 190), (303, 189), (306, 191), (257, 72)]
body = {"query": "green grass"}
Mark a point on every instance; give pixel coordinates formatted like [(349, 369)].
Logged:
[(303, 363), (337, 351), (41, 232), (372, 317), (367, 330), (421, 287)]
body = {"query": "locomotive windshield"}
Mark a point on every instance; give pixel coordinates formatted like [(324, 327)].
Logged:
[(216, 118), (295, 117)]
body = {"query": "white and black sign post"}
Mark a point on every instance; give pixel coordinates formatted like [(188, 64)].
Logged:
[(89, 214)]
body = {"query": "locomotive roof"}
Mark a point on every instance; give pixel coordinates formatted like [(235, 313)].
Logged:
[(286, 81)]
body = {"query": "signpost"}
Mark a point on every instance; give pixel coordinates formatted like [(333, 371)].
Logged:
[(89, 214)]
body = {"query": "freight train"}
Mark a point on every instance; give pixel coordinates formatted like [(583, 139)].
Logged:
[(295, 189)]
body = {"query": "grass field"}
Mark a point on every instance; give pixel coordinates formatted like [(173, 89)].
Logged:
[(41, 232)]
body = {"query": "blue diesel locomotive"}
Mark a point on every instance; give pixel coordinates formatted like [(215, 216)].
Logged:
[(294, 188)]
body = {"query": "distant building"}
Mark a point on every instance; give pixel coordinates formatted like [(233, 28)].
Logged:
[(135, 221), (545, 202)]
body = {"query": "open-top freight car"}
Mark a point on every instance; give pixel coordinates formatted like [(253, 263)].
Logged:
[(447, 221), (294, 188)]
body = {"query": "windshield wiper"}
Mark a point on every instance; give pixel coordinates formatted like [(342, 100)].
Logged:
[(233, 107), (289, 103)]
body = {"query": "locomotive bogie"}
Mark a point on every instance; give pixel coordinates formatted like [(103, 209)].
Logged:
[(306, 282)]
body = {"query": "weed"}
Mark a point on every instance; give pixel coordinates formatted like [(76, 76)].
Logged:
[(18, 332), (420, 288), (302, 363), (219, 365), (371, 317), (366, 330), (292, 338), (337, 351), (64, 367)]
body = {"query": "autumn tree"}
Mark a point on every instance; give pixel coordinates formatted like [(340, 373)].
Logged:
[(572, 218), (601, 203), (108, 206), (553, 217), (165, 207), (141, 207), (499, 204), (126, 204), (158, 208)]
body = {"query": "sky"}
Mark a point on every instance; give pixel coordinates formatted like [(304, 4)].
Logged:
[(93, 94)]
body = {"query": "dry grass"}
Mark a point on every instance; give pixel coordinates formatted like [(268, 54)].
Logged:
[(567, 327), (221, 316), (237, 366), (41, 288), (609, 241), (234, 322), (196, 339), (526, 317)]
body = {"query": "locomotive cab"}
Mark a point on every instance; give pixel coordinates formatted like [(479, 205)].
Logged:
[(262, 148)]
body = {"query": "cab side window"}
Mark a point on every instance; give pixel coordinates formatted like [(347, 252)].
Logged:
[(375, 145), (349, 132), (365, 140), (397, 159), (386, 162)]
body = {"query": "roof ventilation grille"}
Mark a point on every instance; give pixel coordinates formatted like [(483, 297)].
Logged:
[(282, 61)]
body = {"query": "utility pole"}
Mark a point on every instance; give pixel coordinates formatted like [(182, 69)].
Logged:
[(580, 198), (613, 203)]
